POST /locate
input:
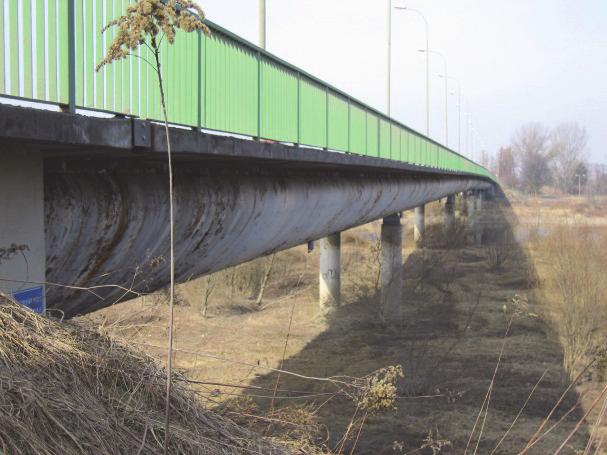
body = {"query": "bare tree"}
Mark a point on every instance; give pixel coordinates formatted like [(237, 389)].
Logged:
[(506, 166), (531, 146), (568, 147), (597, 176), (264, 281), (210, 283)]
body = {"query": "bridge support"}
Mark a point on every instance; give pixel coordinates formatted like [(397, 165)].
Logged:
[(450, 213), (391, 262), (419, 226), (474, 206), (22, 242), (330, 273), (470, 206), (479, 226), (480, 196)]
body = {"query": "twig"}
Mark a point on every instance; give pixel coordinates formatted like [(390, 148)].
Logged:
[(595, 429), (360, 430), (284, 352), (558, 422), (581, 421), (237, 362), (145, 432), (519, 412), (489, 390), (535, 435), (344, 438)]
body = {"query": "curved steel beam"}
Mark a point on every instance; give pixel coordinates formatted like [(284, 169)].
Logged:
[(108, 224)]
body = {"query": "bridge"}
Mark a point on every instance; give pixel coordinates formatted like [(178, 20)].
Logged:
[(266, 156)]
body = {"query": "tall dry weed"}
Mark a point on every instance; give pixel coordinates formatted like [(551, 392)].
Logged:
[(579, 289)]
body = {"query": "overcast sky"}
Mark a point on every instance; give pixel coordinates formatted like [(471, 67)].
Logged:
[(518, 61)]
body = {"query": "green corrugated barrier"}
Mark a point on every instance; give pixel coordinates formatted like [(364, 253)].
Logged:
[(219, 82)]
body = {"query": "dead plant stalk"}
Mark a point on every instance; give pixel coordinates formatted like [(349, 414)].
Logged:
[(142, 20)]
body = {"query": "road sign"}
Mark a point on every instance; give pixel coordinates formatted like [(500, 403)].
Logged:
[(32, 298)]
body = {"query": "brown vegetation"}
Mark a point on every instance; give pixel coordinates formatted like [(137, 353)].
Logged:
[(447, 335), (67, 389), (573, 265)]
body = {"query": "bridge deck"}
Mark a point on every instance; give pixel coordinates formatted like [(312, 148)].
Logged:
[(59, 134)]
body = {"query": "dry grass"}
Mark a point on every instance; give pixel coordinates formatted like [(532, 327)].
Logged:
[(447, 335), (572, 262), (67, 389)]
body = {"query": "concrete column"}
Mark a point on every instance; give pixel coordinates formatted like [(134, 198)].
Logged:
[(474, 205), (22, 243), (329, 275), (420, 224), (450, 212), (391, 261), (470, 206), (479, 200), (478, 222)]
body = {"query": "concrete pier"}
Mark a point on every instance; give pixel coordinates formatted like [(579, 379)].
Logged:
[(470, 207), (330, 273), (391, 262), (450, 213), (478, 224), (474, 206), (22, 241), (419, 226)]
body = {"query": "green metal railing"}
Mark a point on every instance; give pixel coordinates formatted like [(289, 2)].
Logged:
[(49, 49)]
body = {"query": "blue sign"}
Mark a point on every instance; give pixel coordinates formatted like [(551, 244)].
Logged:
[(33, 298)]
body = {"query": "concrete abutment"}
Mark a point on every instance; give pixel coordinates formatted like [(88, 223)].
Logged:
[(22, 240)]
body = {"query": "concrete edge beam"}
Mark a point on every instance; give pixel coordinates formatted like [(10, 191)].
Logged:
[(73, 135)]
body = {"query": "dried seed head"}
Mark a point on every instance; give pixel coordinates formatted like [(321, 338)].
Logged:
[(147, 18), (379, 390)]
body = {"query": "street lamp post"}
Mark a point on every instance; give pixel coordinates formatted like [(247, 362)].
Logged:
[(428, 52), (459, 109), (579, 183), (262, 24), (468, 127), (389, 57), (405, 8)]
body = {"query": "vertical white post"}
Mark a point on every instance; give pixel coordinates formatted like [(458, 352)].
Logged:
[(330, 274), (420, 224), (389, 101)]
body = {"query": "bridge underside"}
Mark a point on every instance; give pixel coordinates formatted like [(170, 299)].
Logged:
[(106, 208)]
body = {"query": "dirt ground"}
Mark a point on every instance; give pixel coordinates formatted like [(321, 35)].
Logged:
[(447, 333)]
